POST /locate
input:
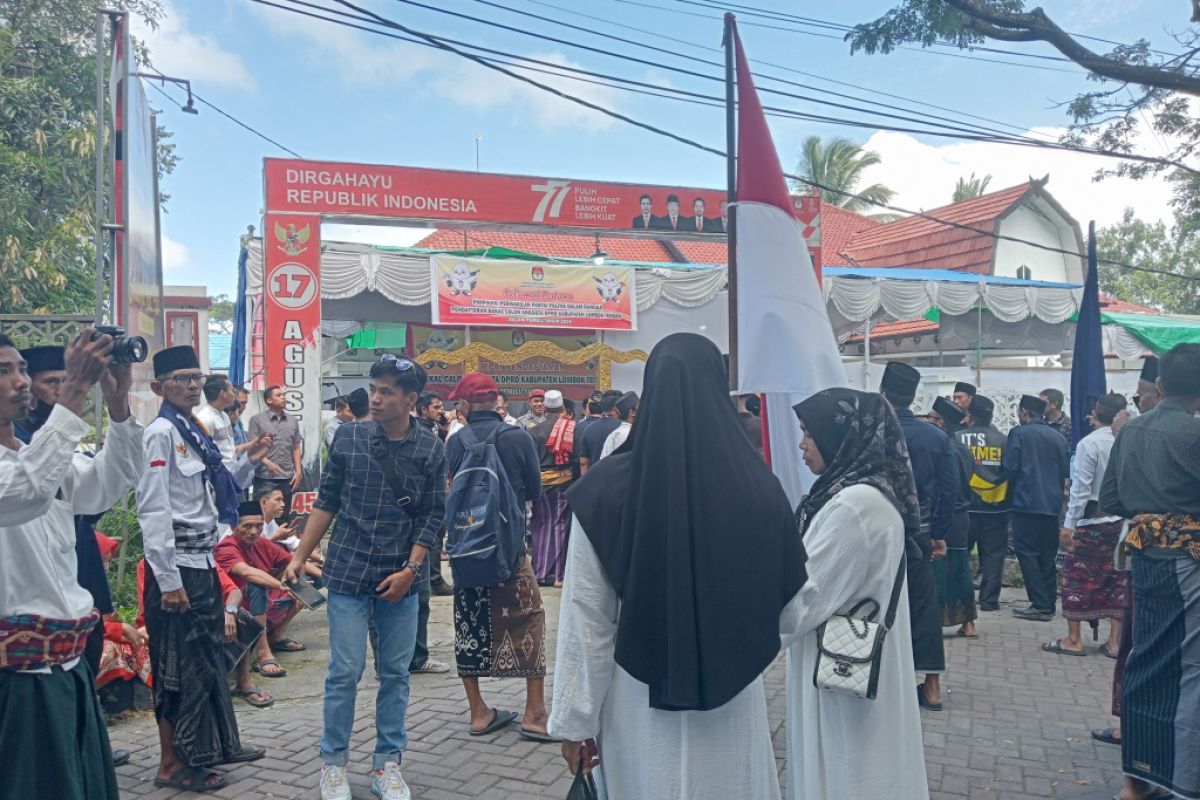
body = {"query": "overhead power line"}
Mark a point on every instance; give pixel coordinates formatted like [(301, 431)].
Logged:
[(928, 128), (232, 118), (441, 44)]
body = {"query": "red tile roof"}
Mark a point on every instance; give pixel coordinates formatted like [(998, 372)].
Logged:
[(889, 330), (838, 229), (917, 242), (552, 245), (1110, 303)]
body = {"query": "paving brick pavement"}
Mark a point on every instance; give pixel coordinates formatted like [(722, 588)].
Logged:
[(1016, 725)]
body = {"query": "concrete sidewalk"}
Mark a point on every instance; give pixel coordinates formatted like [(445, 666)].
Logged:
[(1016, 725)]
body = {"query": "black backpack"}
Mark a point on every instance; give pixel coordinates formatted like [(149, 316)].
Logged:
[(485, 522)]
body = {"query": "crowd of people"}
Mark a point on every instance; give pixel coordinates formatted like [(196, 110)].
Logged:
[(626, 503)]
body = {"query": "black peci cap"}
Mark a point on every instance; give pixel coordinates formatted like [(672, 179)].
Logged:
[(900, 378), (46, 358)]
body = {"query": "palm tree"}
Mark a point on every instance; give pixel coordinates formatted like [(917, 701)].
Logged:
[(971, 187), (839, 164)]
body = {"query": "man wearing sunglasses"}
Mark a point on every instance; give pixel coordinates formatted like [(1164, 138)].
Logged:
[(385, 481), (183, 493)]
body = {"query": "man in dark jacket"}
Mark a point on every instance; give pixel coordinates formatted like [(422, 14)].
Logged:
[(953, 573), (512, 609), (933, 466), (988, 526), (1037, 463)]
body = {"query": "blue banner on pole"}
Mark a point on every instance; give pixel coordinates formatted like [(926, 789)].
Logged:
[(1087, 367)]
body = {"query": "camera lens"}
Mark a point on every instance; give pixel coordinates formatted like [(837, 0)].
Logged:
[(130, 350)]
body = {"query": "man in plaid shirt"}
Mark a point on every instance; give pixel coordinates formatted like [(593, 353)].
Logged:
[(385, 480)]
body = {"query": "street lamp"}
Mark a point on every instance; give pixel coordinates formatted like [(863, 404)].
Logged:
[(599, 255), (190, 108)]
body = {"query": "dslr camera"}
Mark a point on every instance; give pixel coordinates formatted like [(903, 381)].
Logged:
[(126, 349)]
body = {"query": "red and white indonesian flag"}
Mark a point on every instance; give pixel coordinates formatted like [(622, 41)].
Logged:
[(786, 348)]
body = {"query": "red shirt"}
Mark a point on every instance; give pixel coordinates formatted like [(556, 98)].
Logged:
[(264, 554), (227, 586)]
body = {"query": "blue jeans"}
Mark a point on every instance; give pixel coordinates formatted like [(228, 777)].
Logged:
[(396, 624)]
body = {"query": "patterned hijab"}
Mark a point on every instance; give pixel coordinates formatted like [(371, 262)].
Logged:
[(860, 439)]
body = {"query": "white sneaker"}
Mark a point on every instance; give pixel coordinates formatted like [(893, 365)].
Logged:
[(333, 783), (389, 783)]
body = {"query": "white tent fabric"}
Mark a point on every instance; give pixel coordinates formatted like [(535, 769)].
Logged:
[(1123, 344), (403, 278), (857, 299)]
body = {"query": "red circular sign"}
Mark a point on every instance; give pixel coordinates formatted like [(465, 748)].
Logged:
[(292, 286)]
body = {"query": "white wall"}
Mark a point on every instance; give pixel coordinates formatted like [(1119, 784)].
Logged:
[(1037, 222)]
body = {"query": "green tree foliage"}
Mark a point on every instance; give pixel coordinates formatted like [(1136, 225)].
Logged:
[(966, 188), (1153, 245), (1136, 85), (839, 164), (47, 147), (220, 313)]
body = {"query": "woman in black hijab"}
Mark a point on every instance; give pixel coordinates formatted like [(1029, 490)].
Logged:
[(685, 553), (854, 520)]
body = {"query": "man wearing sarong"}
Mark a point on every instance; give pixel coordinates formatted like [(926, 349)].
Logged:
[(184, 491), (956, 592), (1145, 401), (935, 471), (47, 371), (385, 481), (1092, 589), (53, 736), (1153, 480), (1036, 462), (500, 631), (988, 516), (555, 441)]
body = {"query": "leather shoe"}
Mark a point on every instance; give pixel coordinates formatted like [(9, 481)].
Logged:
[(121, 757), (989, 606), (1033, 614)]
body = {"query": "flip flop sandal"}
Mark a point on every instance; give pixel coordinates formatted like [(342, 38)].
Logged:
[(1106, 735), (1057, 648), (270, 662), (262, 702), (1104, 649), (287, 646), (502, 719), (246, 754), (962, 635), (191, 779), (537, 736)]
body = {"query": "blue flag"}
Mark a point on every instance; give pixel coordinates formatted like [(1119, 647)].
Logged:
[(1087, 368)]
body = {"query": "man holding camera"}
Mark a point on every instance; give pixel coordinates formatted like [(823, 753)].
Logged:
[(184, 491), (53, 738)]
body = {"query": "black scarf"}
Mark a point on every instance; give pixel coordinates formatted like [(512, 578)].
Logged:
[(695, 535), (859, 438), (216, 474)]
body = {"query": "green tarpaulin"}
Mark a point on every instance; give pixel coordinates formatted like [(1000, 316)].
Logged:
[(1159, 334), (379, 336)]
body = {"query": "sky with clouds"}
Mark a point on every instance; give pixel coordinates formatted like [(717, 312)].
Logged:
[(328, 92)]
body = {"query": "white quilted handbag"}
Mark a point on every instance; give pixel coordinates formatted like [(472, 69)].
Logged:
[(850, 646)]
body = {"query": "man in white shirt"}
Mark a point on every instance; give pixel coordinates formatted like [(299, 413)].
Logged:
[(219, 395), (341, 415), (54, 739), (1091, 588), (185, 490), (626, 411), (502, 407)]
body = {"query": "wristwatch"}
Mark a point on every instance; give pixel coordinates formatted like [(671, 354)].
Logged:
[(415, 566), (231, 610)]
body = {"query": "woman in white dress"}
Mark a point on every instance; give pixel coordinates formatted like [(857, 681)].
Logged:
[(684, 554), (855, 522)]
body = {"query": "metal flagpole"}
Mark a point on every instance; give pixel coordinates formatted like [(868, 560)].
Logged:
[(731, 198)]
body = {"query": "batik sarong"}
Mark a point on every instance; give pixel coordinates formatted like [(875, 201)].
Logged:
[(1160, 727), (187, 659), (121, 661), (53, 737), (551, 527), (1092, 588), (952, 575), (500, 631)]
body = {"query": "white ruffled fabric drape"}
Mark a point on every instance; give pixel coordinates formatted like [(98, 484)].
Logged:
[(858, 299)]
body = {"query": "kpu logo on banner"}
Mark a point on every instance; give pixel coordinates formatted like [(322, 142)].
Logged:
[(291, 240)]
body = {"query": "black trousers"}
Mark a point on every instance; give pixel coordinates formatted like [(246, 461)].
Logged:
[(989, 533), (925, 613), (1035, 539)]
